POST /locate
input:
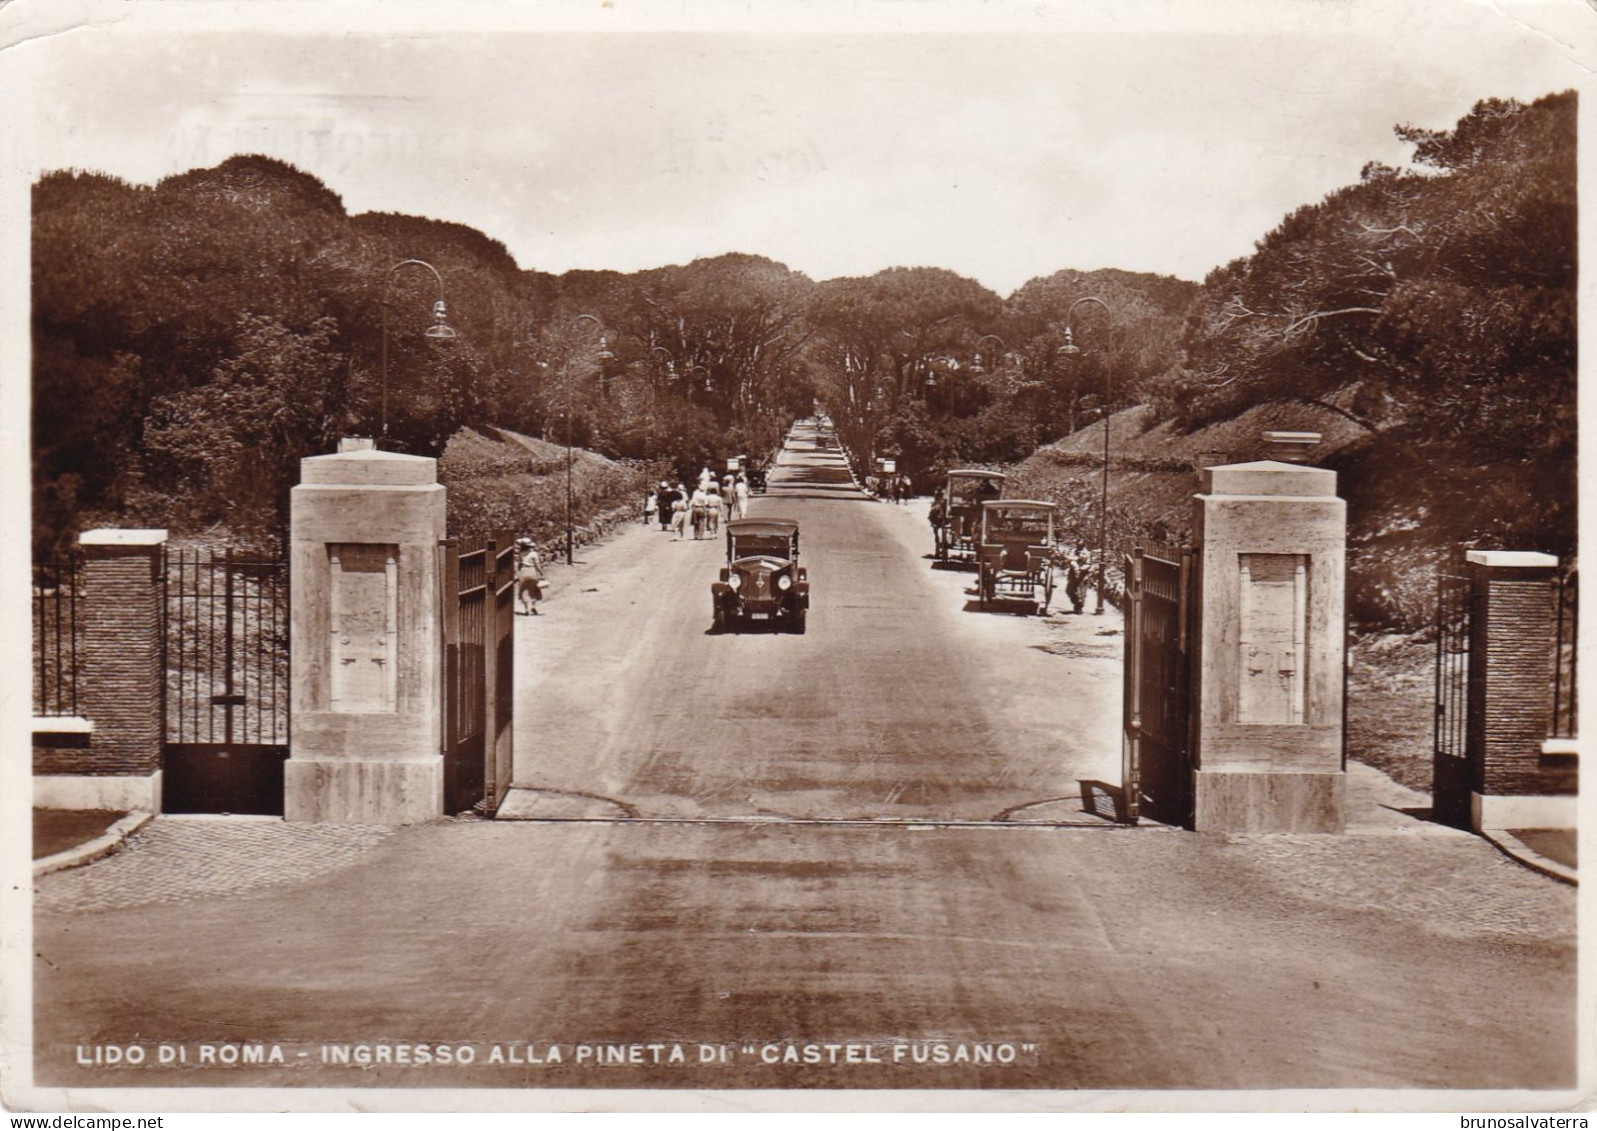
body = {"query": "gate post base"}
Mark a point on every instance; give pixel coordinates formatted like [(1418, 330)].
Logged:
[(126, 792), (361, 792), (1499, 811), (1252, 801)]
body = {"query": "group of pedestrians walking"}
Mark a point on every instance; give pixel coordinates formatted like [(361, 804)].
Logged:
[(891, 488), (703, 510)]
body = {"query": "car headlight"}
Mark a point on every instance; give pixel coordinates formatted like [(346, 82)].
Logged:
[(735, 581), (784, 582)]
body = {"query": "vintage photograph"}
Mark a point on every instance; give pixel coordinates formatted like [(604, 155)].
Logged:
[(592, 559)]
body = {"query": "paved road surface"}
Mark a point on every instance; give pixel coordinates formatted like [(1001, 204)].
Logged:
[(1400, 955), (899, 702), (1128, 958)]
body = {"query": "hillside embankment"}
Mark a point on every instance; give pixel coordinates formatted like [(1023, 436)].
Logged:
[(502, 481)]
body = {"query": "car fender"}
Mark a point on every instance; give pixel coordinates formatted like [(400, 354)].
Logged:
[(720, 590)]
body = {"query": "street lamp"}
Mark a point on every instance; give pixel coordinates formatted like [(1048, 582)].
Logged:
[(977, 366), (439, 330), (654, 394), (1070, 349), (604, 353)]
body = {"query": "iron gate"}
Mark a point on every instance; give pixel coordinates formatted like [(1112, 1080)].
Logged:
[(227, 687), (1156, 717), (1450, 776), (478, 613)]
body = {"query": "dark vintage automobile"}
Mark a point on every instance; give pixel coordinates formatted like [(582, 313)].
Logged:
[(762, 579), (756, 478)]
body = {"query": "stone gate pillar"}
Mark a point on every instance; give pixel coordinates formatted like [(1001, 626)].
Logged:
[(367, 696), (110, 758), (1271, 548), (1518, 777)]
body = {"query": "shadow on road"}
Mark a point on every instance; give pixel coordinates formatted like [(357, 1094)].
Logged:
[(806, 482), (1004, 606), (1097, 799)]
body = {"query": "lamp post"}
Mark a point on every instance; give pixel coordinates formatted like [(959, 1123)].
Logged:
[(439, 330), (978, 367), (654, 393), (1070, 349), (604, 351)]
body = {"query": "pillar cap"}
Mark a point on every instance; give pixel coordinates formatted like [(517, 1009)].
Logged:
[(1511, 559), (110, 537), (1269, 477), (369, 468)]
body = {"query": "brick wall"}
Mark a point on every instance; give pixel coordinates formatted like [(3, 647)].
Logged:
[(120, 661), (1511, 671)]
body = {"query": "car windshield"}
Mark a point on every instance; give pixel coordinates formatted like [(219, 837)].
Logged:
[(1031, 526), (750, 545), (969, 489)]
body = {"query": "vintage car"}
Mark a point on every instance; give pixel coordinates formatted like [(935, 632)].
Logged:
[(762, 579), (755, 474), (958, 527), (1016, 556)]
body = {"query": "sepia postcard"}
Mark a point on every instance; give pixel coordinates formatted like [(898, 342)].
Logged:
[(886, 556)]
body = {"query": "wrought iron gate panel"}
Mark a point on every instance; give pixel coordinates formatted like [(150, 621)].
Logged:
[(500, 766), (1157, 771), (1157, 706), (1450, 776), (465, 601), (227, 682), (57, 632), (478, 613)]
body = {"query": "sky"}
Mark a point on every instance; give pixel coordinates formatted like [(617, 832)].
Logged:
[(1002, 141)]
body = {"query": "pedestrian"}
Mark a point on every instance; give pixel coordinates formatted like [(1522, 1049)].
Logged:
[(679, 514), (699, 509), (667, 498), (529, 576), (651, 507), (717, 509), (743, 496), (906, 489), (1075, 579), (706, 477)]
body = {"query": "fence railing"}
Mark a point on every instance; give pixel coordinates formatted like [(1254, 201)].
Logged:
[(56, 635), (226, 639), (1566, 597)]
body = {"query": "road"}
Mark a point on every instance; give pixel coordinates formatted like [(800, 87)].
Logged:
[(901, 701), (1402, 955)]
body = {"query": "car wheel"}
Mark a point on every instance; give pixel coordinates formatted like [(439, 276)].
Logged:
[(718, 624), (796, 621)]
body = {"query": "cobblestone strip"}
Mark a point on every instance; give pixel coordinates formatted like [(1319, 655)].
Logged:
[(174, 859), (1456, 885)]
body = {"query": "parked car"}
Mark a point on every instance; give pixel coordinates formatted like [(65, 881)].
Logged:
[(957, 528), (756, 478), (762, 579), (1016, 557)]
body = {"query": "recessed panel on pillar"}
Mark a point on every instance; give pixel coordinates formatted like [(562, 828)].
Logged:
[(364, 627), (1274, 624)]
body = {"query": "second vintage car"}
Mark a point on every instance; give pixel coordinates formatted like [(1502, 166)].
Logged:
[(762, 580)]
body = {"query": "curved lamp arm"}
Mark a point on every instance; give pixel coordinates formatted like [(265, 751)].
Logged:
[(440, 329)]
